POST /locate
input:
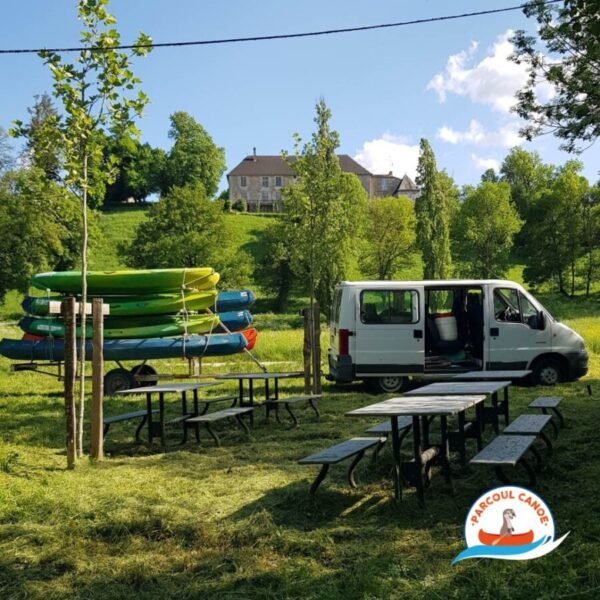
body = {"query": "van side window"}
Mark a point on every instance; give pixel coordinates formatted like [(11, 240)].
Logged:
[(506, 305), (389, 307), (529, 312)]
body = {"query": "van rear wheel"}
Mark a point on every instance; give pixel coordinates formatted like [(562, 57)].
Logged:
[(388, 384)]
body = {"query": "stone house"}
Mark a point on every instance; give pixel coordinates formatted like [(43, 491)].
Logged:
[(259, 179)]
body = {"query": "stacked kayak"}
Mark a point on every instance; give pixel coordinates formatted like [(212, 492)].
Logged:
[(157, 313)]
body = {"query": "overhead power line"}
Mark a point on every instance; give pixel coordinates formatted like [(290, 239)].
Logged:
[(263, 38)]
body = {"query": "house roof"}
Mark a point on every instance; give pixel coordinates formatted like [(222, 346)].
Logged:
[(262, 164), (407, 184)]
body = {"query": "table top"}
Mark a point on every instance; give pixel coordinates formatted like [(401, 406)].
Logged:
[(416, 407), (491, 375), (286, 375), (169, 388), (448, 388)]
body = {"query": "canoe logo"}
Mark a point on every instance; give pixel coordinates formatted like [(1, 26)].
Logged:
[(509, 523)]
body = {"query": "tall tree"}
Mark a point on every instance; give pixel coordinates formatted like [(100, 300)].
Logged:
[(489, 175), (40, 151), (6, 157), (323, 211), (139, 170), (433, 209), (485, 229), (194, 156), (186, 229), (527, 175), (39, 225), (591, 235), (389, 237), (556, 238), (571, 65), (96, 94)]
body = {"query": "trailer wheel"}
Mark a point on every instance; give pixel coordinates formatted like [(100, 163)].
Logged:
[(144, 370), (388, 384), (118, 380)]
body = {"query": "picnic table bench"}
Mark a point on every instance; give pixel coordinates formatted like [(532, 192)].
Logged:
[(138, 414), (209, 418), (275, 403), (530, 425), (334, 454), (546, 403), (385, 429), (508, 450)]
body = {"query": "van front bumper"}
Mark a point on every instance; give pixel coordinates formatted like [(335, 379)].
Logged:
[(341, 369), (578, 364)]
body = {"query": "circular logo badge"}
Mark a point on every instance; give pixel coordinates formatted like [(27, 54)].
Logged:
[(509, 523)]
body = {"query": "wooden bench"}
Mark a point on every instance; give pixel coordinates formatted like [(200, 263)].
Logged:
[(220, 415), (385, 429), (508, 450), (355, 447), (545, 403), (530, 425), (274, 404), (138, 414)]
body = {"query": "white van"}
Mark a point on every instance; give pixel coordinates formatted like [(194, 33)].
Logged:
[(388, 331)]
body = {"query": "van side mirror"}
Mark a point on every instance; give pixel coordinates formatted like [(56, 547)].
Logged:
[(537, 321)]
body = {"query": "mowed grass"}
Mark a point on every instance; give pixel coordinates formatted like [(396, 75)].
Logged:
[(197, 521)]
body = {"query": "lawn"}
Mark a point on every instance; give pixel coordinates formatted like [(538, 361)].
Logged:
[(237, 521)]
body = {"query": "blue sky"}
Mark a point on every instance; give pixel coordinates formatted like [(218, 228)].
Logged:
[(449, 81)]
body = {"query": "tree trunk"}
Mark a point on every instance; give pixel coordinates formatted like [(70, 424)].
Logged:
[(84, 244), (70, 319), (96, 419)]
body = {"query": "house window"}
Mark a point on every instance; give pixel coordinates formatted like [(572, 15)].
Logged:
[(245, 194), (278, 195), (243, 182), (265, 182), (278, 182), (264, 196)]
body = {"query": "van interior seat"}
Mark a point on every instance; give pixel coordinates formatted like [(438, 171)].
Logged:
[(434, 342)]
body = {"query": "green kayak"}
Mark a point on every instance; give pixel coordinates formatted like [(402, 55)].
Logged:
[(127, 327), (149, 281), (166, 304)]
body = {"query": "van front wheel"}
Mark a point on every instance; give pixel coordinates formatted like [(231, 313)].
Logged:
[(548, 371), (387, 385)]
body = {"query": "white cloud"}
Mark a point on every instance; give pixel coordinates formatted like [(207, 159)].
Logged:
[(486, 163), (506, 136), (494, 80), (389, 153)]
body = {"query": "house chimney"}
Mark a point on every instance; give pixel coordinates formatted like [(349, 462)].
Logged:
[(390, 173), (254, 154)]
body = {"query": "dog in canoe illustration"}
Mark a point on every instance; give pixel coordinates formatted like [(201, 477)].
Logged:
[(507, 535)]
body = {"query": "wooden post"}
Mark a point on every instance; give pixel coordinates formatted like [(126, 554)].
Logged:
[(68, 312), (316, 349), (97, 425), (306, 313)]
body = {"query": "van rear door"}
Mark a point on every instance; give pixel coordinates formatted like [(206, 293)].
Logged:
[(389, 332)]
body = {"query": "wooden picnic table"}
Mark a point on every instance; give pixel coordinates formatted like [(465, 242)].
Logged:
[(489, 388), (422, 410), (252, 377), (492, 375), (158, 428)]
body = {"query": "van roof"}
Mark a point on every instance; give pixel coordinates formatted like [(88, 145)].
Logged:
[(430, 282)]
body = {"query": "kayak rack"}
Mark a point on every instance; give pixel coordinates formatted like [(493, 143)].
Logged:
[(36, 367)]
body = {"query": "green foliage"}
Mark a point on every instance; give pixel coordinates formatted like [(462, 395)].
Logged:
[(485, 227), (434, 208), (40, 149), (570, 64), (39, 225), (140, 168), (389, 237), (274, 272), (489, 175), (556, 230), (240, 205), (6, 157), (194, 157), (528, 177), (186, 229), (323, 211)]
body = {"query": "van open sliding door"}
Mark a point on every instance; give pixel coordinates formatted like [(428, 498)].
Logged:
[(389, 332)]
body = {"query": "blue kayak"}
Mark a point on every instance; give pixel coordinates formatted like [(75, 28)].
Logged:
[(234, 320), (129, 349), (235, 300)]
